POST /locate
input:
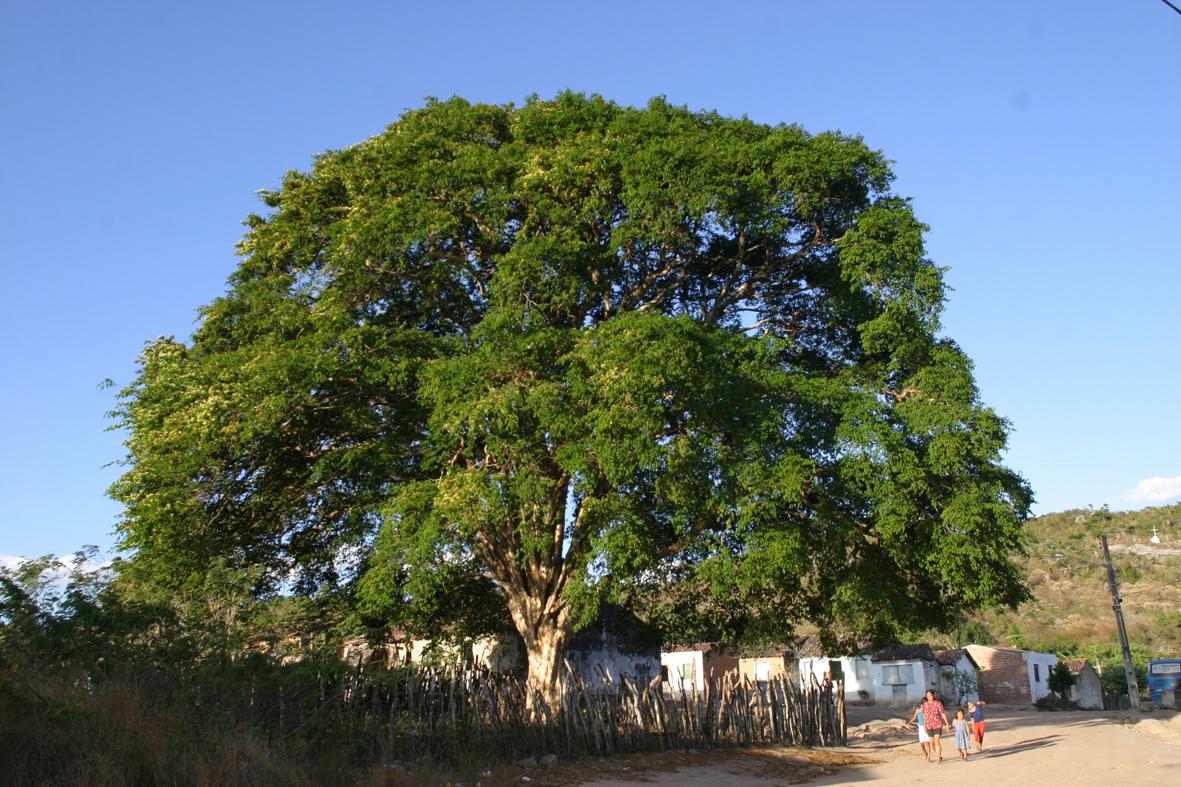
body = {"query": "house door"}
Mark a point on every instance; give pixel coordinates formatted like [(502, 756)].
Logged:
[(899, 692)]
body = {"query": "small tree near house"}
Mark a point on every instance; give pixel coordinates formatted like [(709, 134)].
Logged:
[(1060, 679), (962, 684)]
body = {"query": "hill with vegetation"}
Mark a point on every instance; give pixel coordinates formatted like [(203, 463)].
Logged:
[(1071, 613)]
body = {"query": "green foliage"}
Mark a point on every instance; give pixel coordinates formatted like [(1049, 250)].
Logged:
[(506, 362), (1169, 620), (110, 620), (103, 675), (1060, 680), (962, 685), (964, 631), (1129, 572), (1110, 658)]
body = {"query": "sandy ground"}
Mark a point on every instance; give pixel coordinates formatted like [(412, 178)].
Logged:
[(1073, 749)]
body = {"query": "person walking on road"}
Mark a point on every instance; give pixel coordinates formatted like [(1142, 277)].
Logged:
[(924, 738), (935, 718), (976, 716), (960, 725)]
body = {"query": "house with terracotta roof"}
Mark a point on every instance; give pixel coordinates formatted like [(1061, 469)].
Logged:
[(959, 676), (1087, 690), (771, 662), (897, 673), (691, 667), (1012, 675)]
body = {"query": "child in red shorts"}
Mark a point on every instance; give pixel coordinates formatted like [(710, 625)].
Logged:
[(976, 717)]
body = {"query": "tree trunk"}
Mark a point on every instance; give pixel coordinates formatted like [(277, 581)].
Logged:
[(546, 628)]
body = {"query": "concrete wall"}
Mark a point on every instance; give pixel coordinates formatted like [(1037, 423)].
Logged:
[(497, 654), (1088, 691), (776, 667), (1039, 666), (922, 677), (964, 667), (708, 662), (1015, 677), (719, 661), (817, 668), (590, 662), (674, 665), (872, 685)]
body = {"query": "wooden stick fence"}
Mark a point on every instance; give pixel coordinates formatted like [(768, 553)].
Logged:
[(442, 712)]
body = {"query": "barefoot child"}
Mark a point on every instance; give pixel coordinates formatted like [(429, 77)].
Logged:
[(961, 734), (976, 717), (924, 740)]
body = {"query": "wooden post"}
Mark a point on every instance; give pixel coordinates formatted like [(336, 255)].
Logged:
[(842, 728)]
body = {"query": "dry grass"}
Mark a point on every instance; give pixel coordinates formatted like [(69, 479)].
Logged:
[(784, 765), (116, 735), (1072, 604), (119, 733)]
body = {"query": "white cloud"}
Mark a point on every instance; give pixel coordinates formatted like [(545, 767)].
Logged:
[(1155, 490)]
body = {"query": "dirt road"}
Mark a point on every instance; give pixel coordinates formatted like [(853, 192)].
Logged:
[(1077, 749)]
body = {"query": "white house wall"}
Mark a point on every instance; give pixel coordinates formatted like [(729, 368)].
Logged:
[(496, 654), (1088, 691), (922, 677), (854, 686), (590, 664), (1045, 662), (674, 664), (965, 666)]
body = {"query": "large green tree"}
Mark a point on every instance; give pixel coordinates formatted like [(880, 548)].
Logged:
[(504, 361)]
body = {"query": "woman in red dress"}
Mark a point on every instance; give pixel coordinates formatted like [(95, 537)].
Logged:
[(933, 711)]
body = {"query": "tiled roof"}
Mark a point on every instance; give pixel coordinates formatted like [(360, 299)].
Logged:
[(949, 658), (1005, 648), (704, 647), (1008, 649), (811, 648), (919, 652), (1076, 665)]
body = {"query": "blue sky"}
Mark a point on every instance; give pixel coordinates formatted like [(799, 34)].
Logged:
[(1040, 140)]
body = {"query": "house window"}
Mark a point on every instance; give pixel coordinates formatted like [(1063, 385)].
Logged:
[(1037, 673), (688, 671), (835, 670), (861, 668), (897, 674), (762, 671)]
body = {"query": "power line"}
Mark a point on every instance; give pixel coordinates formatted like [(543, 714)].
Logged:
[(1170, 5)]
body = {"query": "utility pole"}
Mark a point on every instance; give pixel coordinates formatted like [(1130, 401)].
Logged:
[(1116, 604)]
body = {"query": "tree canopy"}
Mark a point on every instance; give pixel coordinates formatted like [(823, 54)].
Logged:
[(502, 362)]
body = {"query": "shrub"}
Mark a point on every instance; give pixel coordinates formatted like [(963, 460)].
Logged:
[(1052, 702), (1060, 679)]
